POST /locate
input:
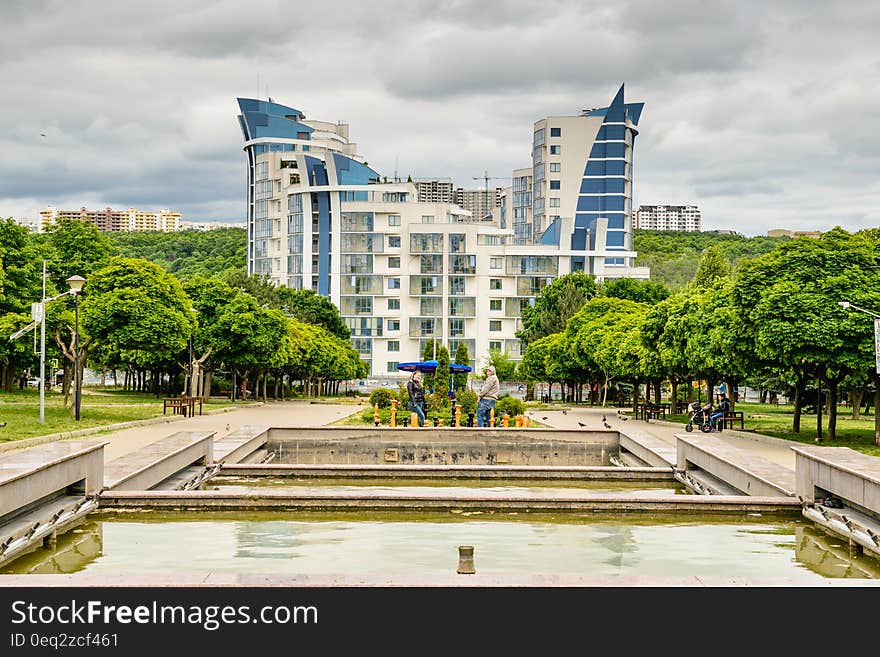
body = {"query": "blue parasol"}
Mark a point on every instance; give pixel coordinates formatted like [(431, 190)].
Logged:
[(430, 366)]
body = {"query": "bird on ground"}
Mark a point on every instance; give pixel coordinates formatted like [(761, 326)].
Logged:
[(581, 424), (604, 419), (2, 424), (227, 426), (544, 418), (606, 425), (564, 412), (624, 418)]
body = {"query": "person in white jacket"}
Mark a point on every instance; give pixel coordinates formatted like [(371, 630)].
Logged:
[(487, 397)]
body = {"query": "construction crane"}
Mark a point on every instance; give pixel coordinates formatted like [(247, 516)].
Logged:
[(486, 178)]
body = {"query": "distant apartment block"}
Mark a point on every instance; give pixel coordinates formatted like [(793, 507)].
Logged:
[(116, 221), (668, 217), (211, 225), (33, 225), (782, 232), (479, 202), (435, 191)]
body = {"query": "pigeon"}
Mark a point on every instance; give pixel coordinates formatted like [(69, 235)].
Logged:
[(606, 425), (624, 418), (544, 418), (603, 419), (581, 424), (2, 424), (564, 412), (227, 426)]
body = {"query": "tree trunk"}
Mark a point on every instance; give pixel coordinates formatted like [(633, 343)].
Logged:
[(206, 386), (798, 402), (673, 384), (819, 404), (855, 396), (832, 407), (710, 387), (65, 383), (636, 389), (731, 392), (877, 409)]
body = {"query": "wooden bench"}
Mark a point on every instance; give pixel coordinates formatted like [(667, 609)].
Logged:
[(651, 411), (727, 420), (182, 405)]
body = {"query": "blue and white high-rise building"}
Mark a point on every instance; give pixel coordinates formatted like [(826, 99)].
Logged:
[(403, 271)]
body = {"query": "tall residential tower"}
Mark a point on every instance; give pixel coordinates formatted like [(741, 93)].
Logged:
[(403, 271)]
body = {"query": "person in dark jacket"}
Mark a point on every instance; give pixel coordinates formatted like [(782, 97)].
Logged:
[(722, 409), (417, 396)]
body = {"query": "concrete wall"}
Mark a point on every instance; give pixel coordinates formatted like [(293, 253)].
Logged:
[(852, 476), (35, 473), (352, 445), (746, 472)]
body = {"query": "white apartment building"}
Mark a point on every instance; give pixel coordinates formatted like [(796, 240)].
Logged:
[(403, 271), (668, 217)]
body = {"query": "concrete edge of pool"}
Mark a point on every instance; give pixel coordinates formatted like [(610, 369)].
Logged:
[(210, 579), (403, 500)]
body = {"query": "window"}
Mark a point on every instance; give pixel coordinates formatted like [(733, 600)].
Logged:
[(554, 202), (392, 365), (494, 345), (394, 324), (456, 328), (555, 132), (393, 283), (494, 304), (554, 184), (496, 263), (555, 150), (457, 285), (494, 324), (393, 304), (555, 167), (456, 243), (394, 262), (394, 345), (393, 219), (494, 283), (427, 218), (394, 241)]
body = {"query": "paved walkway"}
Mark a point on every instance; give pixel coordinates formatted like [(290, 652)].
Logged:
[(293, 413), (770, 448)]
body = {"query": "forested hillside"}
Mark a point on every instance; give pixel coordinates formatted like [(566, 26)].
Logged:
[(673, 255), (187, 253)]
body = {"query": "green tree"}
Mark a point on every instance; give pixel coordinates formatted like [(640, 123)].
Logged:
[(505, 367), (188, 253), (634, 289), (713, 267), (210, 297), (462, 357), (309, 307), (441, 378), (77, 248), (555, 304), (428, 354), (789, 299)]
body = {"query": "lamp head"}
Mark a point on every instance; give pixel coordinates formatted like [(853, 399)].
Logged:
[(843, 304), (76, 283)]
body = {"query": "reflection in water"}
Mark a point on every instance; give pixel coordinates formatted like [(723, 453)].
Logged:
[(74, 551), (831, 555), (424, 545)]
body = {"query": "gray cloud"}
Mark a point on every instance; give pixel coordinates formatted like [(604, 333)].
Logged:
[(765, 114)]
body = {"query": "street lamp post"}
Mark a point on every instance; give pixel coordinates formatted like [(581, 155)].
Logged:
[(76, 284)]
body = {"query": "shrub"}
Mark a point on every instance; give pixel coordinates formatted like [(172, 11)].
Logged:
[(468, 401), (382, 396), (510, 405)]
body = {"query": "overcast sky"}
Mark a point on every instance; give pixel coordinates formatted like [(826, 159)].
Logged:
[(765, 114)]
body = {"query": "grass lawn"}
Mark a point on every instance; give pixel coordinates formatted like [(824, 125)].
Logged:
[(20, 410), (776, 421)]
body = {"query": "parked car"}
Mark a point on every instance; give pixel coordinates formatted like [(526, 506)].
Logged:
[(33, 383)]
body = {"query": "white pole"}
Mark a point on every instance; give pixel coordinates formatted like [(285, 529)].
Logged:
[(43, 350)]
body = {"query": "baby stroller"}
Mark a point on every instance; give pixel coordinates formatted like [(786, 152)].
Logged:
[(700, 417)]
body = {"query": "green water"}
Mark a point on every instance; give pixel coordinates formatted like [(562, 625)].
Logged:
[(425, 545), (544, 487)]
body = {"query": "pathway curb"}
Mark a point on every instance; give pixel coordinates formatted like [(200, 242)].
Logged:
[(750, 435), (24, 443)]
